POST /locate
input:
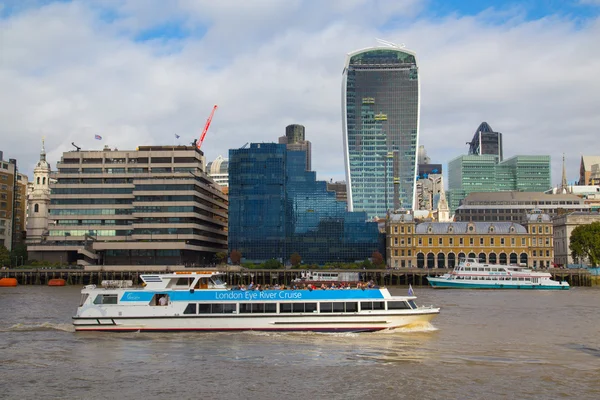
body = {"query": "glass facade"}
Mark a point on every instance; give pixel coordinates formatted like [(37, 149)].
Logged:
[(277, 208), (473, 173), (380, 106)]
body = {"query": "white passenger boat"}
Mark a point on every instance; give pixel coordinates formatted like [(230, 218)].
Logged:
[(199, 301), (471, 274)]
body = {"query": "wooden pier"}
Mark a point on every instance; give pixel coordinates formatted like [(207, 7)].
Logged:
[(399, 277)]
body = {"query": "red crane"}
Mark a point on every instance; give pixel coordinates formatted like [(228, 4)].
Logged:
[(208, 121)]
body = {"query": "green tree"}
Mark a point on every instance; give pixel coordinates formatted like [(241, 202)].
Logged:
[(295, 259), (272, 264), (4, 257), (377, 259), (20, 253), (585, 243), (235, 256), (220, 257)]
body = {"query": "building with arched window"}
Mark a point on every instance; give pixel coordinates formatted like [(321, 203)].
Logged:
[(442, 244)]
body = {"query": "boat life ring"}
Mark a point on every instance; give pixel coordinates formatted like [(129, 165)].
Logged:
[(468, 264)]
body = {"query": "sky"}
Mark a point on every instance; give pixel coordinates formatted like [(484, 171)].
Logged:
[(139, 72)]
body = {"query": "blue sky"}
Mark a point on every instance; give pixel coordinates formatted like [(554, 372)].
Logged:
[(140, 71)]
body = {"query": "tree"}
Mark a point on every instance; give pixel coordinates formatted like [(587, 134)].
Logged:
[(585, 243), (4, 256), (272, 264), (295, 259), (20, 252), (220, 257), (377, 259), (235, 256)]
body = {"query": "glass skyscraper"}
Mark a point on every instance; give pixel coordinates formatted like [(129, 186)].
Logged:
[(380, 117), (277, 208)]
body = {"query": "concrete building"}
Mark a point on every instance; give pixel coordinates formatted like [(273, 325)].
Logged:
[(13, 204), (563, 228), (340, 190), (380, 121), (410, 243), (153, 205), (513, 206), (295, 140), (38, 199)]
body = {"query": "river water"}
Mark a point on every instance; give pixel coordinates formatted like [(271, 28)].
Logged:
[(483, 345)]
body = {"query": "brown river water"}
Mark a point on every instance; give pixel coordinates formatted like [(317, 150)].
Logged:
[(483, 345)]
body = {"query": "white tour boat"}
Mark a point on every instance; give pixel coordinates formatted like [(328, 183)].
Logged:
[(471, 274), (200, 301)]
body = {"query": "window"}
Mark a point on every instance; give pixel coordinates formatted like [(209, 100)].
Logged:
[(430, 241), (533, 229), (501, 241), (451, 241), (420, 241), (481, 241), (491, 241), (471, 241), (216, 308), (522, 241), (372, 305), (395, 229), (461, 241), (440, 241), (106, 299), (398, 305), (36, 208), (190, 309)]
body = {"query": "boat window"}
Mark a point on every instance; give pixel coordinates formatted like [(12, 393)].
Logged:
[(190, 309), (106, 299), (326, 307), (352, 307), (184, 282), (257, 308), (216, 308), (372, 305), (398, 305), (338, 307), (285, 307), (412, 304), (304, 307), (84, 297)]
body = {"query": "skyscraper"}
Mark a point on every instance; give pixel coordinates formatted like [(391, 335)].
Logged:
[(486, 142), (380, 118), (294, 139)]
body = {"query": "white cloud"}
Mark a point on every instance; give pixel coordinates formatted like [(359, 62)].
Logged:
[(72, 70)]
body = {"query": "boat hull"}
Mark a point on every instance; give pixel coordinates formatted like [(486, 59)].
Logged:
[(322, 323), (443, 283)]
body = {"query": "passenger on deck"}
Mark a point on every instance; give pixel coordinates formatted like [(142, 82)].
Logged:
[(162, 300)]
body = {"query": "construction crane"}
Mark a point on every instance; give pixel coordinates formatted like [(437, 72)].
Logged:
[(208, 121)]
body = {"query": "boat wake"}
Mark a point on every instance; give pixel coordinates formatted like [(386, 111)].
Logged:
[(420, 327), (45, 326)]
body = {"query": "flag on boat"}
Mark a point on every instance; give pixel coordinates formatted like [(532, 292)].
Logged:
[(177, 136), (410, 291), (97, 137)]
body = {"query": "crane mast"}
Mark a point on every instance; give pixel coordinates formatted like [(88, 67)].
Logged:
[(208, 121)]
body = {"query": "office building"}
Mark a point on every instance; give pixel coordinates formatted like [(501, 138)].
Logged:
[(294, 139), (380, 119), (486, 141), (472, 173), (13, 204), (153, 205), (278, 208)]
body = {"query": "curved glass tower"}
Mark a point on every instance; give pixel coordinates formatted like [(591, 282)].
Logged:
[(380, 117)]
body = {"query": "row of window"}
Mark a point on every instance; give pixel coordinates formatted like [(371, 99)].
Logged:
[(461, 241), (286, 308)]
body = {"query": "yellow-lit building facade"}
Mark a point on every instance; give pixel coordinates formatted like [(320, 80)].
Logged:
[(411, 244)]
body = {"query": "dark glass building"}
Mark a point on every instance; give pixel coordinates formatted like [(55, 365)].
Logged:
[(277, 208), (380, 107), (486, 142)]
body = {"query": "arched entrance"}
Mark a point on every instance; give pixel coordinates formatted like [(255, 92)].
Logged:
[(472, 255), (482, 258), (493, 259), (420, 260), (441, 260), (461, 256), (451, 260), (503, 258), (513, 258), (430, 260), (523, 258)]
